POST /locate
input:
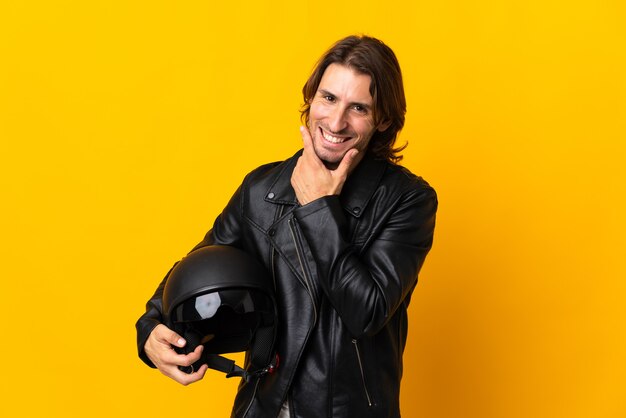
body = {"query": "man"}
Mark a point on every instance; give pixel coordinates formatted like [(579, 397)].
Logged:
[(344, 231)]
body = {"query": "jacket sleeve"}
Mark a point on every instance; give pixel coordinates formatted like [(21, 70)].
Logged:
[(366, 285), (226, 231)]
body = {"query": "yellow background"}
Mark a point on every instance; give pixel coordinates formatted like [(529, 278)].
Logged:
[(126, 125)]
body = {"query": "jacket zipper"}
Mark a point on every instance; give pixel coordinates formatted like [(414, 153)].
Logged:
[(272, 255), (256, 386), (358, 357), (304, 274)]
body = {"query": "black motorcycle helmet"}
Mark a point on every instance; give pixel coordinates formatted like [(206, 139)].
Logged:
[(222, 298)]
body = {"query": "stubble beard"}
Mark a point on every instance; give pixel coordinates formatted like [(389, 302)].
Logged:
[(330, 161)]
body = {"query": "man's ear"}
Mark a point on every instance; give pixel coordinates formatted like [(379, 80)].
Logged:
[(382, 127)]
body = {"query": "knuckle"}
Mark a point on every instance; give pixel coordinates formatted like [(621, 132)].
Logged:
[(169, 357), (188, 379), (187, 361)]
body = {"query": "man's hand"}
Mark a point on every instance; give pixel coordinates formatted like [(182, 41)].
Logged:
[(312, 180), (159, 350)]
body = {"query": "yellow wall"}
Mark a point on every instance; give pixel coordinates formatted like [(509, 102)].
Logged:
[(126, 125)]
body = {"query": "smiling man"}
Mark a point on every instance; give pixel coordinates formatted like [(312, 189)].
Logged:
[(344, 230)]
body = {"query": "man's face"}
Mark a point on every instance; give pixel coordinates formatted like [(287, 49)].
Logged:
[(340, 116)]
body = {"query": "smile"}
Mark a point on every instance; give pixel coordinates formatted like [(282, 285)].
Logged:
[(332, 138)]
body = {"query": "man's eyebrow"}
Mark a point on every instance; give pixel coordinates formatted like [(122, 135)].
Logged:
[(324, 92)]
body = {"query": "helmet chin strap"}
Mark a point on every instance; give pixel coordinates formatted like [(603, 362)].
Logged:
[(224, 365), (260, 353)]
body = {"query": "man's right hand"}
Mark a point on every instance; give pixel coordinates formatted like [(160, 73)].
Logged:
[(159, 350)]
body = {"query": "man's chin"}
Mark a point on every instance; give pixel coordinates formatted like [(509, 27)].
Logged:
[(331, 162), (331, 165)]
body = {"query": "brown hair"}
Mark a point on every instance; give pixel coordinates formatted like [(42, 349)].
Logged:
[(372, 57)]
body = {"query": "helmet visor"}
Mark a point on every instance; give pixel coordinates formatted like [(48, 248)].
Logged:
[(224, 321)]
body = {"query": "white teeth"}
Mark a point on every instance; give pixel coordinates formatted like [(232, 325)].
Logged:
[(332, 139)]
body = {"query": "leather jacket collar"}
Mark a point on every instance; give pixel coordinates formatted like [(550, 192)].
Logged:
[(355, 195)]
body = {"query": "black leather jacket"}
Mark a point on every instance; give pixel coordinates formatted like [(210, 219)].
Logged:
[(344, 270)]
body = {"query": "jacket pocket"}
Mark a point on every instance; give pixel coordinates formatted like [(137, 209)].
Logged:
[(360, 361)]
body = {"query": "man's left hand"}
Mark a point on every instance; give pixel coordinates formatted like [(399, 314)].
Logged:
[(312, 180)]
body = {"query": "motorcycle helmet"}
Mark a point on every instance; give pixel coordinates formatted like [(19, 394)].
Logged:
[(223, 298)]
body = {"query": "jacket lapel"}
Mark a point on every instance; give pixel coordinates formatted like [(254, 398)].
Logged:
[(355, 196)]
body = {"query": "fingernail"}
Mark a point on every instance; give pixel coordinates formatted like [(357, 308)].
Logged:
[(181, 341)]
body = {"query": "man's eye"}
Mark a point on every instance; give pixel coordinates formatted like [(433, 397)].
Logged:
[(359, 108), (329, 98)]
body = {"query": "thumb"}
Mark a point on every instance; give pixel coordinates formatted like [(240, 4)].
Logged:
[(177, 340), (172, 337), (347, 162)]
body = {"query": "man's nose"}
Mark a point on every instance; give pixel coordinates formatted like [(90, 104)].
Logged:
[(337, 120)]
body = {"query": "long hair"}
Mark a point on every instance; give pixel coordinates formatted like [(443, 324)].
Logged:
[(369, 56)]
